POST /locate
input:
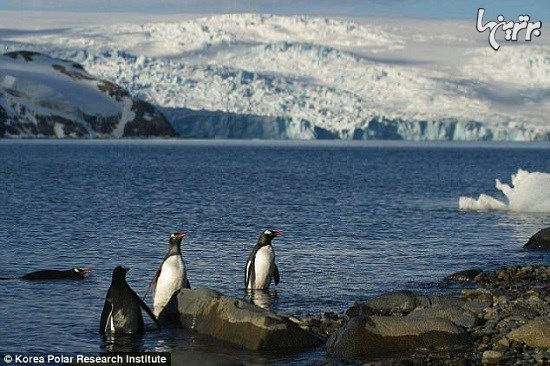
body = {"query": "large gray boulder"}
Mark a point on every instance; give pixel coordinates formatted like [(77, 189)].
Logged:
[(539, 241), (402, 303), (456, 314), (366, 337), (536, 333), (236, 321)]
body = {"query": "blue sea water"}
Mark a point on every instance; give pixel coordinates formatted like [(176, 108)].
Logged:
[(359, 219)]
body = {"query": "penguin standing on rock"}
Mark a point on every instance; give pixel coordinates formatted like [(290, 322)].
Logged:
[(261, 267), (171, 276), (122, 309)]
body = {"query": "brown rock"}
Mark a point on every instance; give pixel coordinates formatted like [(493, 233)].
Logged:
[(382, 336), (539, 241), (457, 315), (536, 333), (235, 321)]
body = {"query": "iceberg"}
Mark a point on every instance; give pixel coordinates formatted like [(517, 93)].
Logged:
[(529, 192)]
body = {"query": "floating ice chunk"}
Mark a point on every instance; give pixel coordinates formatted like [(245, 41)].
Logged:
[(529, 192), (484, 202)]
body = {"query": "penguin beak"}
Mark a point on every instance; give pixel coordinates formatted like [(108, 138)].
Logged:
[(180, 236), (85, 272), (277, 233)]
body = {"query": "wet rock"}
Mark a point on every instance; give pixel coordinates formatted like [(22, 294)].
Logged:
[(491, 357), (519, 310), (477, 306), (502, 344), (386, 304), (457, 315), (382, 336), (401, 303), (506, 302), (476, 293), (323, 325), (539, 241), (543, 357), (536, 333), (235, 321), (515, 281), (466, 276)]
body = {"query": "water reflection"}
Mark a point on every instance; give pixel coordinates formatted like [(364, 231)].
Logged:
[(123, 342), (261, 298)]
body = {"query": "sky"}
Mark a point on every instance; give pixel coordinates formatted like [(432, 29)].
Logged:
[(432, 9)]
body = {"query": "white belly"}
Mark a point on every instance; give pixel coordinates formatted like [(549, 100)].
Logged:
[(264, 266), (172, 276)]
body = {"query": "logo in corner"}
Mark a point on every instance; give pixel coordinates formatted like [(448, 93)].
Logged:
[(511, 29)]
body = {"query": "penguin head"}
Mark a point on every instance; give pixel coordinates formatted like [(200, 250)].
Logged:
[(176, 238), (80, 272), (175, 243), (119, 274), (267, 235)]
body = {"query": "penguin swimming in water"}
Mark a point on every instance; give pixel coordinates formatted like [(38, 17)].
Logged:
[(54, 274), (171, 276), (261, 267), (122, 309)]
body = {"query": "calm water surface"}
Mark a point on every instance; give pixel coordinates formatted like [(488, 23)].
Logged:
[(359, 219)]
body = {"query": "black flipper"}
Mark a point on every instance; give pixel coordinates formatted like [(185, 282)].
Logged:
[(276, 275), (250, 271), (105, 314), (147, 310), (153, 284), (187, 284)]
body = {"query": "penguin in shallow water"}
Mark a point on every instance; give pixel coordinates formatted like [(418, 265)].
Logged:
[(54, 274), (122, 309), (171, 276), (260, 267)]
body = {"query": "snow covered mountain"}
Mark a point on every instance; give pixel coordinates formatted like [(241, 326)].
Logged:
[(264, 76), (43, 96)]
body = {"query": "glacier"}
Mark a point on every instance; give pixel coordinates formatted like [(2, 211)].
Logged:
[(298, 77)]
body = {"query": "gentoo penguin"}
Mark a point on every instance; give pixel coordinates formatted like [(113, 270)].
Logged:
[(171, 276), (261, 267), (122, 310), (54, 274)]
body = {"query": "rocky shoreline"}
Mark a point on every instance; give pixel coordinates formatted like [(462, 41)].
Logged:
[(498, 318), (504, 319)]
